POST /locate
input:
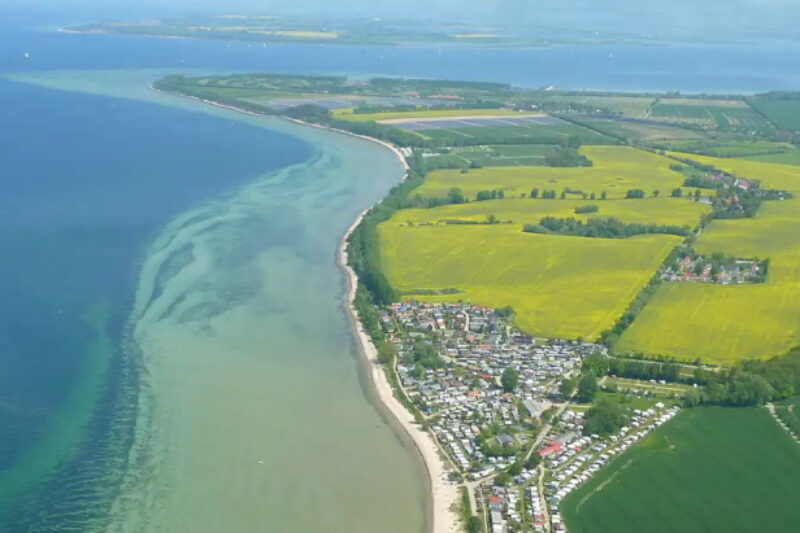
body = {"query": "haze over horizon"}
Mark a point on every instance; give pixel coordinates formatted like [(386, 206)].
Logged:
[(684, 19)]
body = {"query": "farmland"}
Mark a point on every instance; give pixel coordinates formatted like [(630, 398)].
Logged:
[(723, 114), (500, 155), (637, 130), (771, 175), (629, 106), (773, 233), (518, 129), (785, 114), (560, 286), (616, 169), (718, 323), (662, 210), (674, 479), (348, 114)]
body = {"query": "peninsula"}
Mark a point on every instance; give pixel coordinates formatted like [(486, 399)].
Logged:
[(574, 293)]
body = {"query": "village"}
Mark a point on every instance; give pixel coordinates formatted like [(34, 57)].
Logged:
[(492, 399), (689, 266)]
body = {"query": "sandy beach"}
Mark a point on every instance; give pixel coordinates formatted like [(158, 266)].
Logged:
[(444, 493)]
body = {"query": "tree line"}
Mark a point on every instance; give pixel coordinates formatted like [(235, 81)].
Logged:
[(607, 228)]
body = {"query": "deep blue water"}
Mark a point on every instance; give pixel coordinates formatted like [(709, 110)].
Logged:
[(87, 181)]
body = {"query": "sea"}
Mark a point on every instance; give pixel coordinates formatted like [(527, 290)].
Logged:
[(174, 352)]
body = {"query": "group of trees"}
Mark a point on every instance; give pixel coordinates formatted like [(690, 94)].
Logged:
[(607, 228), (598, 365), (509, 379), (490, 195), (635, 193), (605, 418), (566, 157), (753, 382), (552, 194), (586, 209)]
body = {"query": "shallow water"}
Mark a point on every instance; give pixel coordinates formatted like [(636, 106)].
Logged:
[(242, 390)]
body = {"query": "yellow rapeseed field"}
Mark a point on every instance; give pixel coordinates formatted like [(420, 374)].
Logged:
[(718, 323), (616, 169), (662, 210), (560, 286), (771, 175), (724, 324)]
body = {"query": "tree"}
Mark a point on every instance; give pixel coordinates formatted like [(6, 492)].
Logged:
[(697, 194), (634, 193), (491, 219), (455, 196), (387, 353), (677, 192), (592, 196), (605, 418), (509, 379), (533, 461), (502, 479), (515, 469), (603, 195), (566, 387), (656, 193), (587, 388), (564, 195), (535, 193)]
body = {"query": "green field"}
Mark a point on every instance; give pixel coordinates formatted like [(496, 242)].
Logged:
[(629, 106), (718, 323), (534, 133), (718, 148), (661, 210), (723, 114), (708, 469), (638, 131), (785, 114), (788, 157), (498, 155), (560, 286), (615, 170)]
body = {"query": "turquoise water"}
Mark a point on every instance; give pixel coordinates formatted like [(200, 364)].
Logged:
[(178, 357)]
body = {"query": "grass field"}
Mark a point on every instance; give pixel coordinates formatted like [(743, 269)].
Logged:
[(496, 131), (662, 210), (629, 106), (347, 114), (788, 157), (638, 130), (771, 175), (724, 114), (718, 323), (499, 155), (708, 469), (616, 169), (785, 114), (560, 286)]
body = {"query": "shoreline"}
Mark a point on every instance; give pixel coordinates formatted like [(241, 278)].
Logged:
[(442, 493)]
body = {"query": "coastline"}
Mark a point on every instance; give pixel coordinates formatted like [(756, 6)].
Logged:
[(443, 517), (444, 494)]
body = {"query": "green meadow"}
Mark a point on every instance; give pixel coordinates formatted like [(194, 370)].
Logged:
[(672, 480)]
